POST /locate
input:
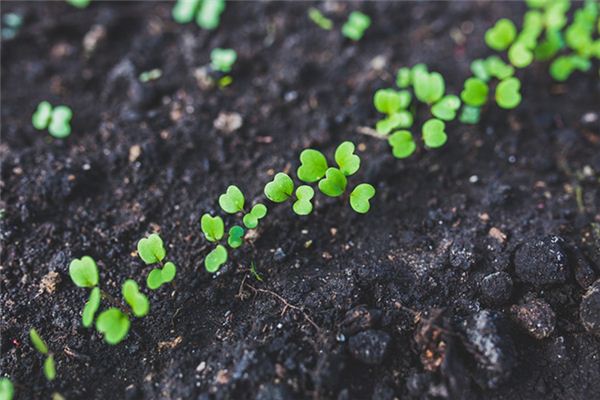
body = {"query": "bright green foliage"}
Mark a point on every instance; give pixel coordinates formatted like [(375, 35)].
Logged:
[(507, 93), (11, 23), (319, 19), (7, 389), (151, 75), (501, 35), (470, 115), (251, 219), (38, 342), (216, 258), (42, 115), (206, 12), (354, 28), (390, 101), (235, 237), (84, 272), (50, 368), (280, 188), (563, 66), (551, 45), (429, 86), (184, 11), (222, 59), (159, 276), (137, 300), (79, 3), (555, 14), (498, 68), (446, 108), (519, 55), (403, 144), (56, 119), (303, 206), (334, 183), (313, 165), (403, 78), (401, 119), (433, 133), (114, 324), (345, 158), (90, 308), (151, 249), (212, 227), (475, 92), (232, 201), (360, 196), (478, 67)]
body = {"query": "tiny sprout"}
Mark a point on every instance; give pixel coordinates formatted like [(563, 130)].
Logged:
[(114, 324), (475, 92), (345, 158), (564, 66), (55, 119), (501, 35), (445, 109), (507, 93), (222, 59), (42, 348), (79, 3), (50, 368), (216, 258), (433, 133), (232, 201), (389, 101), (470, 115), (151, 75), (151, 249), (478, 68), (549, 46), (313, 165), (498, 68), (157, 277), (401, 119), (356, 25), (7, 389), (84, 272), (235, 237), (360, 196), (403, 144), (519, 55), (91, 307), (303, 206), (334, 184), (256, 213), (206, 12), (319, 19), (429, 86), (212, 227), (280, 188), (137, 300), (403, 78)]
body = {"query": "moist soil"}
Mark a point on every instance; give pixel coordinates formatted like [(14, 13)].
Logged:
[(465, 280)]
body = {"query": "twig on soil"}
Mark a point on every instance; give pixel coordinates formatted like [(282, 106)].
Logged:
[(365, 130)]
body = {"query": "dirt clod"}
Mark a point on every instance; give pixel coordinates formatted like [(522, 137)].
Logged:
[(536, 317), (496, 288), (358, 319), (370, 346), (542, 261), (589, 309)]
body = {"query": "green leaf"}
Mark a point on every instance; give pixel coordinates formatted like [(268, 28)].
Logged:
[(157, 277), (416, 70), (216, 258), (549, 46), (312, 166), (137, 300), (401, 119), (236, 236), (60, 122), (184, 11), (213, 227), (429, 87), (280, 188), (433, 133), (7, 390), (319, 19), (403, 78), (50, 368), (389, 101), (84, 272), (41, 116), (519, 55), (475, 92), (564, 66), (251, 219), (498, 68), (356, 25), (345, 158), (90, 308), (403, 144), (507, 93), (303, 205), (334, 183), (79, 3), (360, 196), (114, 324), (445, 109), (479, 70), (209, 14), (222, 59), (38, 342), (470, 115), (232, 201), (501, 35), (151, 249)]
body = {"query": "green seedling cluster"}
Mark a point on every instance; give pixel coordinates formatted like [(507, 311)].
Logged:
[(356, 25), (40, 345), (7, 389), (152, 252), (206, 13), (79, 3), (222, 60), (319, 19), (56, 119)]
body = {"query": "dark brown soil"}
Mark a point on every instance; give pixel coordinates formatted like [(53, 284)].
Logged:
[(430, 294)]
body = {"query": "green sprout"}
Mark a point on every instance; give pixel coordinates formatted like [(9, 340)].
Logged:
[(319, 19), (235, 238), (11, 23), (91, 307), (280, 188), (84, 272), (216, 258), (79, 3), (356, 25), (113, 324), (212, 227), (446, 108), (207, 13), (151, 75), (159, 276), (507, 93), (345, 158), (403, 77), (222, 60), (497, 68), (501, 35), (313, 166), (152, 251), (232, 201), (403, 144), (257, 212), (401, 119), (433, 132), (42, 348), (334, 184), (360, 197), (562, 67), (429, 87), (475, 92), (55, 119), (470, 115), (519, 55), (7, 389), (137, 300), (389, 101), (304, 195)]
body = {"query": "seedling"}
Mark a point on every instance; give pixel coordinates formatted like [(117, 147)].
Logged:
[(446, 108), (213, 227), (280, 188), (470, 115), (256, 213), (434, 134), (334, 184), (501, 35), (91, 307), (519, 55), (113, 324), (7, 389), (403, 77), (222, 60), (84, 272), (313, 166), (429, 86), (56, 119), (507, 93), (303, 205), (159, 276), (207, 13), (319, 19), (497, 68), (403, 144), (137, 301), (345, 158), (151, 75), (401, 119), (232, 201), (562, 68), (356, 25), (389, 101), (360, 197), (475, 92), (152, 251), (216, 258), (79, 3), (236, 237), (42, 348)]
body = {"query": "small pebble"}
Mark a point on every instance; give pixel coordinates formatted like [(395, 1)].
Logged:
[(496, 288), (536, 317), (542, 261), (370, 346), (589, 309)]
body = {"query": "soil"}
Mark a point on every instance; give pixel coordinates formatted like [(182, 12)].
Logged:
[(464, 281)]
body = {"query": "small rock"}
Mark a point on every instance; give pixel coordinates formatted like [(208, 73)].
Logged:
[(462, 254), (370, 346), (497, 234), (134, 152), (589, 309), (542, 261), (359, 319), (49, 282), (279, 255), (496, 288), (227, 122), (536, 317)]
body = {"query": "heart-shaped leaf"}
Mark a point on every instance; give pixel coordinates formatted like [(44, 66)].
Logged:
[(401, 119), (478, 69), (213, 227), (114, 324), (360, 196), (429, 87), (519, 55), (303, 206), (236, 237), (157, 277), (251, 219), (475, 92), (7, 389), (41, 116), (354, 28), (389, 101), (216, 258), (84, 272), (222, 59), (60, 122), (501, 35), (334, 183), (280, 188), (433, 133), (50, 368), (90, 308), (312, 165), (507, 93), (37, 341), (445, 109), (151, 249), (403, 78), (232, 201), (137, 300), (470, 115), (345, 158), (403, 144), (209, 13), (184, 11), (498, 68)]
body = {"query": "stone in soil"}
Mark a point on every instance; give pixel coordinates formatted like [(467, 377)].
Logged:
[(536, 317), (462, 254), (542, 261), (358, 319), (370, 346), (589, 309), (496, 288)]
